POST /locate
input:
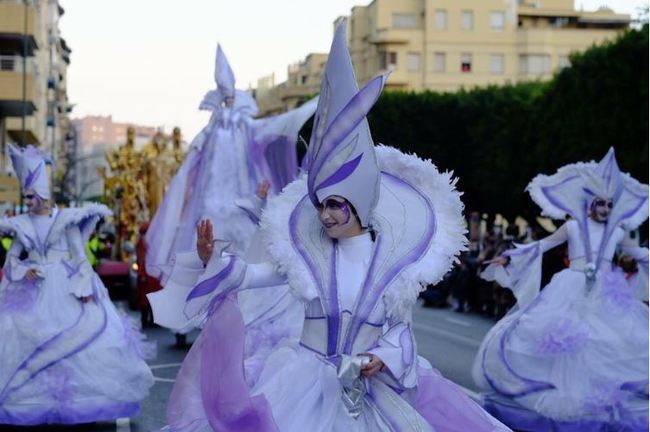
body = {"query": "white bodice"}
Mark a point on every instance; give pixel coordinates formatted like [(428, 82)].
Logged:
[(596, 230)]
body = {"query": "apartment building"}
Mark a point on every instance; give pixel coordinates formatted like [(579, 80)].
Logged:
[(34, 106), (303, 81), (448, 44), (445, 45)]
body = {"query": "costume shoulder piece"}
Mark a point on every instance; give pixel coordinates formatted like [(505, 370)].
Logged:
[(84, 217), (418, 220), (420, 217)]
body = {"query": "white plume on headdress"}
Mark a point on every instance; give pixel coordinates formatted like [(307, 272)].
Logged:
[(29, 164), (341, 156)]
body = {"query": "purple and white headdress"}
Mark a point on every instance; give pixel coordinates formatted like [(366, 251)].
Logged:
[(341, 157), (224, 77), (605, 180), (570, 191), (223, 74), (29, 165)]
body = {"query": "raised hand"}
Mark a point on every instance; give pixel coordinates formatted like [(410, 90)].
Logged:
[(263, 189), (204, 240)]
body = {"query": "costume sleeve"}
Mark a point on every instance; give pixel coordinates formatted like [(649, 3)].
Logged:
[(253, 206), (396, 348), (192, 291), (524, 272), (14, 269), (640, 279), (78, 269)]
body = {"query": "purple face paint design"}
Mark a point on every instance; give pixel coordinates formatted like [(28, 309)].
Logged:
[(336, 216)]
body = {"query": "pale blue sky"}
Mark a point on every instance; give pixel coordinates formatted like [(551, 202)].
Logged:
[(151, 61)]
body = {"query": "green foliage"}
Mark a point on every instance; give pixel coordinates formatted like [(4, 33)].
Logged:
[(496, 139)]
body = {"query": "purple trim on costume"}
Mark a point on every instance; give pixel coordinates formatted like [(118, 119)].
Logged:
[(219, 297), (374, 324), (341, 174), (639, 388), (6, 391), (340, 127), (610, 227), (31, 177), (251, 215), (312, 349), (534, 386), (520, 418), (332, 322), (315, 318), (333, 315), (72, 413), (210, 284), (406, 342), (366, 303), (70, 269)]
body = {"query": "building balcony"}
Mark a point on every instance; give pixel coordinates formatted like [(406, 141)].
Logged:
[(386, 36), (17, 19), (574, 38), (15, 130), (11, 94)]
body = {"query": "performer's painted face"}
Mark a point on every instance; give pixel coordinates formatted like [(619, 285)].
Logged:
[(229, 101), (600, 209), (336, 215), (33, 201)]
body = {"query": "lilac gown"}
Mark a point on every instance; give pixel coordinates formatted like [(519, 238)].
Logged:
[(62, 360)]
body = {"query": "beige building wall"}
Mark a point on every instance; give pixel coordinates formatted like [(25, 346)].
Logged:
[(44, 68), (445, 45), (303, 81)]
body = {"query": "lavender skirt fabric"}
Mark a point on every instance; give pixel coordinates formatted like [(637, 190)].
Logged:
[(64, 361), (576, 355)]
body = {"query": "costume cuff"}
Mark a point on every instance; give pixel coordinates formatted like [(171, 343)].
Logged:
[(396, 348), (80, 275)]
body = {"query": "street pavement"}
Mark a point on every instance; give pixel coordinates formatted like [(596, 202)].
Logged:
[(447, 339)]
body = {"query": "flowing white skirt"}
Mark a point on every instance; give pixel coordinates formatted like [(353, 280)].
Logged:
[(64, 361)]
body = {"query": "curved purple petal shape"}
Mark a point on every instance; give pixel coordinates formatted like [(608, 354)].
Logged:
[(341, 174)]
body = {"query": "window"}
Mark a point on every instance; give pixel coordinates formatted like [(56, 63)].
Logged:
[(497, 20), (387, 60), (563, 62), (467, 20), (441, 19), (497, 64), (535, 64), (465, 62), (440, 62), (413, 62), (403, 20)]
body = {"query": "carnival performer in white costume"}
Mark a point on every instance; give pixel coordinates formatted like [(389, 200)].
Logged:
[(226, 161), (66, 355), (354, 240), (574, 357)]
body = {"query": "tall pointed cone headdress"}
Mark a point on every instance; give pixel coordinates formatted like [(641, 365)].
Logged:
[(223, 74), (605, 181), (29, 165), (341, 156)]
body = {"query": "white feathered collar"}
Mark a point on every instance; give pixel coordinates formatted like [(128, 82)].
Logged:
[(419, 184)]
